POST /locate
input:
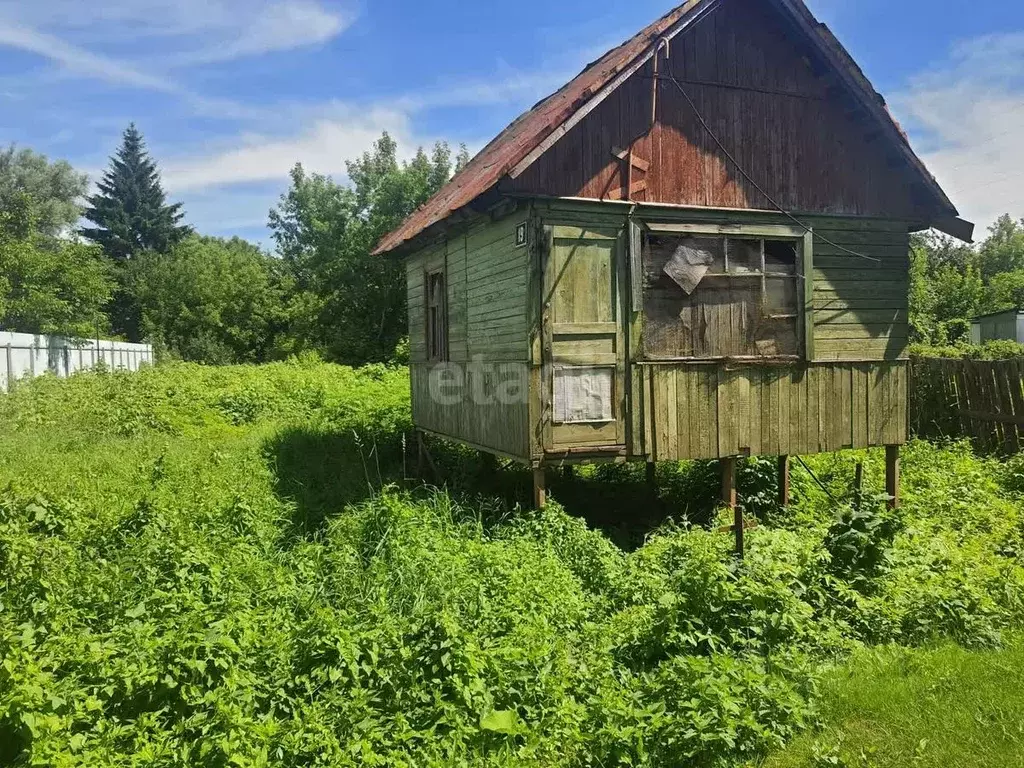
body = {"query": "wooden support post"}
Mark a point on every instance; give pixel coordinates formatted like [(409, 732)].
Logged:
[(421, 454), (488, 465), (892, 475), (858, 486), (540, 488), (783, 481), (652, 475), (728, 467)]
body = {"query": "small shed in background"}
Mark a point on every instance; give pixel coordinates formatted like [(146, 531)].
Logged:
[(1006, 325)]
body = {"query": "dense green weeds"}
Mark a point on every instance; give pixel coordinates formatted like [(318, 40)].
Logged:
[(215, 566)]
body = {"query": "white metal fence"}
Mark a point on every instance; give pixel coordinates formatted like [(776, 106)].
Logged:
[(26, 354)]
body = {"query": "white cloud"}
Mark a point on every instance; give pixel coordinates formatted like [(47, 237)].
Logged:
[(191, 31), (79, 60), (137, 43), (279, 26), (968, 112), (323, 147)]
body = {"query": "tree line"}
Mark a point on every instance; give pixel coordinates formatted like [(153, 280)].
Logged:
[(123, 262), (951, 282), (137, 271)]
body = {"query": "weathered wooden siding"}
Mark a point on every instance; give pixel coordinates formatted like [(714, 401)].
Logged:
[(800, 139), (859, 304), (853, 391), (481, 404), (710, 411), (488, 342), (487, 297)]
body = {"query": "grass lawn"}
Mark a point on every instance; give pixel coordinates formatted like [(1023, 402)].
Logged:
[(944, 708)]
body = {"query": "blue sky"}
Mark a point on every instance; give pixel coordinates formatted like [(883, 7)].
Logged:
[(231, 93)]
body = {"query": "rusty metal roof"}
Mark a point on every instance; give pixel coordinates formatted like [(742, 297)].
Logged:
[(533, 127)]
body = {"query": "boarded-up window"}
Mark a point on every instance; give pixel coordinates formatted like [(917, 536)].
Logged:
[(437, 317), (711, 297)]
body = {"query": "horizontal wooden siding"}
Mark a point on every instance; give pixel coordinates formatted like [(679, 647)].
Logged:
[(488, 339)]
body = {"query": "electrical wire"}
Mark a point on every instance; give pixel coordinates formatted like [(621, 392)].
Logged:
[(815, 478), (754, 184)]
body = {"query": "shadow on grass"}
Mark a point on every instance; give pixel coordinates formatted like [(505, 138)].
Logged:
[(321, 471), (614, 498)]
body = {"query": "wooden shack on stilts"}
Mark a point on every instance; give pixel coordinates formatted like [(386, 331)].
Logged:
[(696, 249)]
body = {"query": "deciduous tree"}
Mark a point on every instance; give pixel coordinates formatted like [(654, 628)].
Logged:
[(325, 231), (57, 189), (48, 285), (211, 300)]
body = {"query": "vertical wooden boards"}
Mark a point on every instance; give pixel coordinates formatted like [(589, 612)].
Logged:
[(807, 270), (978, 399), (728, 409), (800, 410), (416, 304), (458, 298), (752, 83), (585, 320)]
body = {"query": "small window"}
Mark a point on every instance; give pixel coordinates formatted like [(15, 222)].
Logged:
[(437, 317), (710, 297)]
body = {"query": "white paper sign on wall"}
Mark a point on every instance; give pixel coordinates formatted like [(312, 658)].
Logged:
[(583, 395)]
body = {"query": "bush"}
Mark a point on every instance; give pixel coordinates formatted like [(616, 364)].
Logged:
[(214, 566)]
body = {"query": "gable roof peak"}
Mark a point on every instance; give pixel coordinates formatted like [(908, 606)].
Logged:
[(539, 128)]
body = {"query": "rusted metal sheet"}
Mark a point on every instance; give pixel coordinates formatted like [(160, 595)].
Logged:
[(747, 91)]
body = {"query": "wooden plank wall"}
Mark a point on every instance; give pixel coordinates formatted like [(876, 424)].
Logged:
[(487, 335), (479, 417), (801, 140), (859, 304), (711, 411), (487, 298), (978, 399)]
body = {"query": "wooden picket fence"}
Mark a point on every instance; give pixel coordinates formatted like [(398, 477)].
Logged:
[(979, 399)]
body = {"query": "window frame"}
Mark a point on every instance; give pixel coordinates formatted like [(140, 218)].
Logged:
[(804, 275), (436, 337)]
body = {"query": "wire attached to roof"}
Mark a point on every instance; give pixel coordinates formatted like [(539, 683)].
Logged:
[(753, 183)]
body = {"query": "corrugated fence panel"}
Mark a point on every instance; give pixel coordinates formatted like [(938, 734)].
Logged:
[(24, 355)]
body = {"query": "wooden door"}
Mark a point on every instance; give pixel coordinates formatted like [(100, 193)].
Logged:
[(584, 339)]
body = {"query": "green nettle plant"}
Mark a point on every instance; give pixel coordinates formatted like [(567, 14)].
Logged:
[(227, 570), (860, 543)]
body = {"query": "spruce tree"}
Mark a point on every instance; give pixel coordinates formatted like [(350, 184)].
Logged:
[(130, 211)]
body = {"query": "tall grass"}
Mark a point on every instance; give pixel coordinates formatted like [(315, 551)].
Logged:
[(221, 566)]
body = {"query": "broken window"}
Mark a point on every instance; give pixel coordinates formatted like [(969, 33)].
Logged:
[(437, 317), (711, 297)]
